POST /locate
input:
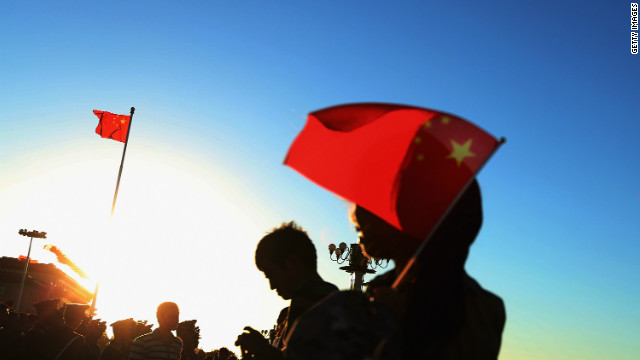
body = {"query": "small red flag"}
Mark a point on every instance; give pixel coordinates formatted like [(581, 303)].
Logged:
[(112, 126), (405, 164)]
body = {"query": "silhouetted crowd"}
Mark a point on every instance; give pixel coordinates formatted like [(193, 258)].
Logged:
[(438, 312), (66, 332)]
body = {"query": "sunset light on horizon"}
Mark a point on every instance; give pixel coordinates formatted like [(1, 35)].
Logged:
[(166, 204)]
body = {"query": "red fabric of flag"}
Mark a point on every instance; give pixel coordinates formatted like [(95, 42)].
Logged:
[(112, 126), (405, 164)]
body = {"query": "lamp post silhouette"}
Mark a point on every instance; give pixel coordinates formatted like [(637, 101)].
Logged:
[(358, 263), (32, 234)]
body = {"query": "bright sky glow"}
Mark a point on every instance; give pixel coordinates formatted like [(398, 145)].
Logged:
[(221, 89)]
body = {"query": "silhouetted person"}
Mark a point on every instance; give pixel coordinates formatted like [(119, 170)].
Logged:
[(39, 342), (190, 335), (92, 330), (213, 355), (287, 257), (10, 332), (160, 344), (444, 313), (224, 354), (120, 346), (71, 345)]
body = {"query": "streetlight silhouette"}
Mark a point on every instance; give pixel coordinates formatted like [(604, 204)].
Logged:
[(358, 263), (32, 234)]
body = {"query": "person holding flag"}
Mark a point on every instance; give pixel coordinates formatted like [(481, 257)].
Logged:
[(410, 172), (443, 312)]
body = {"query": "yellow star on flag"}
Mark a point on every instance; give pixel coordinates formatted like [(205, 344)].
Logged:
[(460, 151), (417, 140), (427, 124), (445, 120)]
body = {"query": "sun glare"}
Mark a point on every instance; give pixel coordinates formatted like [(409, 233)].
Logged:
[(180, 232)]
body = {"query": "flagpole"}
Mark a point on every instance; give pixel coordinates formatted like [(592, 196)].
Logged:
[(126, 141), (402, 278), (93, 302), (24, 276)]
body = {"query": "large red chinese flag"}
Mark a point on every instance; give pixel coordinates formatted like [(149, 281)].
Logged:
[(112, 126), (403, 163)]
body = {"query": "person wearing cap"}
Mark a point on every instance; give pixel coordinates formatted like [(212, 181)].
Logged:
[(92, 330), (39, 342), (160, 344), (190, 335), (70, 344), (120, 346), (287, 257), (74, 314), (443, 312)]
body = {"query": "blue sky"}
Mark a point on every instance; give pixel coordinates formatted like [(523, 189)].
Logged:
[(221, 89)]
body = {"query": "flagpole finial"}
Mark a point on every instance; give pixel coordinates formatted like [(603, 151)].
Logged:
[(133, 110)]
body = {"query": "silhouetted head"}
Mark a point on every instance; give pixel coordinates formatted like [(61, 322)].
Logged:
[(168, 315), (459, 229), (378, 238), (74, 314), (92, 329), (47, 310), (189, 333), (286, 256), (224, 353), (454, 235), (123, 330)]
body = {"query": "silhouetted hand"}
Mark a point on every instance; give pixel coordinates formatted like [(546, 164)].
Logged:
[(251, 342), (254, 346), (389, 297)]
